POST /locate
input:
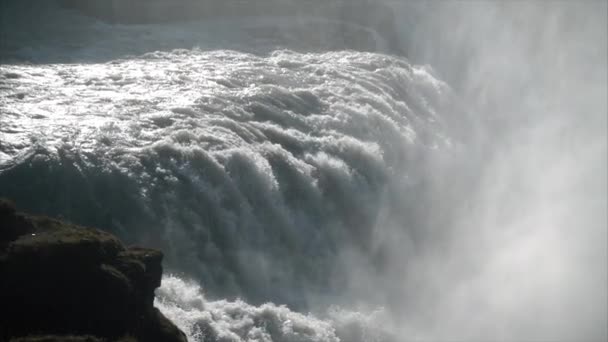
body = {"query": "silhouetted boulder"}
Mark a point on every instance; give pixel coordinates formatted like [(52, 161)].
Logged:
[(62, 282)]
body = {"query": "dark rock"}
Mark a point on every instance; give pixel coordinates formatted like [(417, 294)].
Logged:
[(13, 224), (70, 338), (55, 338), (62, 282)]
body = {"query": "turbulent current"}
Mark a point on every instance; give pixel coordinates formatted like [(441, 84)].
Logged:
[(300, 190), (260, 175)]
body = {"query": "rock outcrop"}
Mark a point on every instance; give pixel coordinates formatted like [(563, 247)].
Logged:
[(62, 282)]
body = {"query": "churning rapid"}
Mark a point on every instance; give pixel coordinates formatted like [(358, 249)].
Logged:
[(308, 189)]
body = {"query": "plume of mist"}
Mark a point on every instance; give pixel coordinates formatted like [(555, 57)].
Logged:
[(501, 236), (509, 237)]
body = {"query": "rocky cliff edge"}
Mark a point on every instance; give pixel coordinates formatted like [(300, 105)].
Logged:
[(62, 282)]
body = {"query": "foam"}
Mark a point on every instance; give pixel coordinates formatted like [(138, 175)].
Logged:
[(207, 320), (229, 157)]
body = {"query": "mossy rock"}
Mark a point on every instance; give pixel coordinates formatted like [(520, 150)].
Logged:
[(59, 280)]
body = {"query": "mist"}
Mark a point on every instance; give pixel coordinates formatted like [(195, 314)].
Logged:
[(398, 170), (510, 243)]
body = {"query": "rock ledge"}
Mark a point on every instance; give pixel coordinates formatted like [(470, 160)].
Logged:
[(62, 282)]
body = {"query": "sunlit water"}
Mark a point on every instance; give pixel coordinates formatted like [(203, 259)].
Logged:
[(259, 172), (306, 185)]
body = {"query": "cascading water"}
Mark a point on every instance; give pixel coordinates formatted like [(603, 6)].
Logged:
[(300, 192)]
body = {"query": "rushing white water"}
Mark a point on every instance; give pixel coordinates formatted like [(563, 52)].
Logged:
[(310, 192), (201, 319), (252, 167), (259, 174)]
